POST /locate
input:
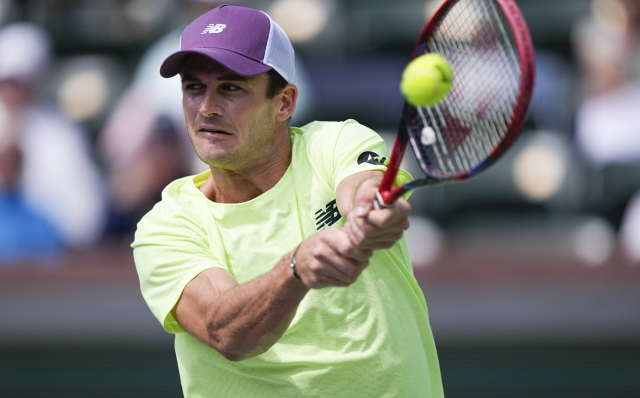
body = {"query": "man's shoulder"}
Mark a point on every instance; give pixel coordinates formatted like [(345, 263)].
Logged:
[(324, 128), (319, 136), (183, 189), (178, 199)]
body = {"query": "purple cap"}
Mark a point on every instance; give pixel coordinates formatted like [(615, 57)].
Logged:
[(245, 41)]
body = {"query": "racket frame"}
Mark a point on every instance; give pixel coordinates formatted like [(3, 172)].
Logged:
[(387, 193)]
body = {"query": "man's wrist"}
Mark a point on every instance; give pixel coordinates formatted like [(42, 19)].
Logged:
[(292, 264)]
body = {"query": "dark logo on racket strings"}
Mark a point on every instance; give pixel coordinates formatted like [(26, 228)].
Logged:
[(372, 158), (328, 216)]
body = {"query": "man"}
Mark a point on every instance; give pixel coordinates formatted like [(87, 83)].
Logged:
[(268, 289)]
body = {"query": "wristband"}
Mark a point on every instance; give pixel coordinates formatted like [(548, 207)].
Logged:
[(293, 262)]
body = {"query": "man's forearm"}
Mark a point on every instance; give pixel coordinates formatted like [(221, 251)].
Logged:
[(241, 321), (248, 319)]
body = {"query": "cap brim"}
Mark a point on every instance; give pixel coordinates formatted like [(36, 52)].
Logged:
[(233, 61)]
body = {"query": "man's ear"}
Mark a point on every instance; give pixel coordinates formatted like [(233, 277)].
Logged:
[(287, 102)]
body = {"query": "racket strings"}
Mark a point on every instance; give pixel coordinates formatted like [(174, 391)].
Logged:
[(477, 37), (484, 37), (470, 123)]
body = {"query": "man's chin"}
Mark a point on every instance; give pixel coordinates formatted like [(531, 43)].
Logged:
[(220, 160)]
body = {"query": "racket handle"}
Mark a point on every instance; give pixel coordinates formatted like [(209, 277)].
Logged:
[(378, 202), (385, 199)]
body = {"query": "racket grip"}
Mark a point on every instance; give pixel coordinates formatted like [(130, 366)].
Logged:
[(386, 198), (378, 202)]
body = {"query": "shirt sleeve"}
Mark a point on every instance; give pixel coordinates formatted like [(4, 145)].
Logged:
[(358, 149), (169, 250)]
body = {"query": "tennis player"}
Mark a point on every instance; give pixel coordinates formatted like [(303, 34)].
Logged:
[(272, 268)]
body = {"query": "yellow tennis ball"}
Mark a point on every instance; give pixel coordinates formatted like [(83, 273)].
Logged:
[(426, 80)]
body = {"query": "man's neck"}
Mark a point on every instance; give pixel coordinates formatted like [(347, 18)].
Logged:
[(232, 186)]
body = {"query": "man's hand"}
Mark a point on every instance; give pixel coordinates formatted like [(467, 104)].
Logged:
[(329, 258), (371, 229)]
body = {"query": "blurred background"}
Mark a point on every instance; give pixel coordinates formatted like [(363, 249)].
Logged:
[(531, 270)]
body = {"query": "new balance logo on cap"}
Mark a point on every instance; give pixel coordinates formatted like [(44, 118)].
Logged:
[(214, 28)]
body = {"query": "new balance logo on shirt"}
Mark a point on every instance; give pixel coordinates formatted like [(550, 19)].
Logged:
[(327, 217), (330, 215), (214, 28)]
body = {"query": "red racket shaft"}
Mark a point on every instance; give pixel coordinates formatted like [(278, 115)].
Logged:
[(387, 194)]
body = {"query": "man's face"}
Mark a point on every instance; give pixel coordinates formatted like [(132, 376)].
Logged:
[(230, 120)]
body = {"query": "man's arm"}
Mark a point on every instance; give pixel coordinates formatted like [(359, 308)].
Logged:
[(244, 320), (367, 228)]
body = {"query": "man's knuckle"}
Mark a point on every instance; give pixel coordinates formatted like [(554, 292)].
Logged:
[(315, 267), (319, 252)]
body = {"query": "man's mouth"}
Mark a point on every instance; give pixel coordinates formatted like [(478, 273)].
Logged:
[(209, 130)]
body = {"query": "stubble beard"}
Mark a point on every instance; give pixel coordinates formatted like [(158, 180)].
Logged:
[(239, 159)]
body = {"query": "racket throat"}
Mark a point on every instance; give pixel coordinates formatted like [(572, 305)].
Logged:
[(386, 198)]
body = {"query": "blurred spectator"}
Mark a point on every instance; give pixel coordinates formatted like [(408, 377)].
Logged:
[(553, 105), (135, 182), (23, 233), (608, 52), (144, 144), (608, 117), (54, 173)]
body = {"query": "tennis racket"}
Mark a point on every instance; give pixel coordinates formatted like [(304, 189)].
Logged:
[(488, 45)]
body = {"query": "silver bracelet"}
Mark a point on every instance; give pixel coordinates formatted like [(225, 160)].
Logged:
[(293, 262)]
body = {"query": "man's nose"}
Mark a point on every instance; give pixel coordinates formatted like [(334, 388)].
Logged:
[(210, 105)]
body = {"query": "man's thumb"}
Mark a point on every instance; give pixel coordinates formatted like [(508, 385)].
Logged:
[(363, 199)]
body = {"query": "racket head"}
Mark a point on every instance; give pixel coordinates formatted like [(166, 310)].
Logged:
[(489, 48)]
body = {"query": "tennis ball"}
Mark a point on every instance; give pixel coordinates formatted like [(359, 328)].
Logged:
[(426, 80)]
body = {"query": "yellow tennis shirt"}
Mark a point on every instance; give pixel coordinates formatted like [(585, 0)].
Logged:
[(371, 339)]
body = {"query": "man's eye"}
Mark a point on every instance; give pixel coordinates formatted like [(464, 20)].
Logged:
[(230, 87), (193, 86)]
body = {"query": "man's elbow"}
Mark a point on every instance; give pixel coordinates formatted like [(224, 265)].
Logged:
[(225, 349), (224, 345), (234, 354), (231, 348)]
